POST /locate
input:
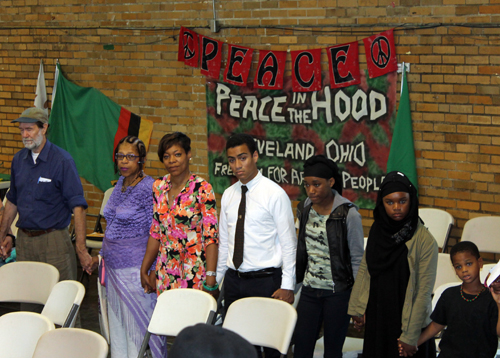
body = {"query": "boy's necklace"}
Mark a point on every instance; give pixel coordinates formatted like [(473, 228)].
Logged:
[(472, 299)]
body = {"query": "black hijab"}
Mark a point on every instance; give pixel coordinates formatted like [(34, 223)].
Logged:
[(387, 260), (387, 237)]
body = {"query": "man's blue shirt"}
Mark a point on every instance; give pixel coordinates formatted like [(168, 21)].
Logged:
[(45, 193)]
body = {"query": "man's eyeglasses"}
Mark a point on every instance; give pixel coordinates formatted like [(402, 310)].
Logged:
[(130, 157)]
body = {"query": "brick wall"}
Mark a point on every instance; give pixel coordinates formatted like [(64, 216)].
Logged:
[(454, 78)]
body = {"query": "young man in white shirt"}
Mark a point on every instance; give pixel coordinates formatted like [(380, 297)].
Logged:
[(267, 265)]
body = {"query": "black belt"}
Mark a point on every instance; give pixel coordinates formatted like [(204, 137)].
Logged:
[(255, 274), (33, 233)]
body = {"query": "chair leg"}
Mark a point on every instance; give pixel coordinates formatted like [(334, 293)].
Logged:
[(211, 318), (144, 345), (84, 273)]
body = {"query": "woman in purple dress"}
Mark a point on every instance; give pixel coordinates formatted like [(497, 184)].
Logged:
[(128, 215)]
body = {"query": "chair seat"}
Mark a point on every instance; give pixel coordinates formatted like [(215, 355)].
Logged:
[(94, 240)]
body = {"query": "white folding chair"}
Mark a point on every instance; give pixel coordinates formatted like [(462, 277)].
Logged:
[(262, 321), (485, 271), (439, 223), (64, 302), (71, 342), (13, 226), (103, 309), (351, 348), (439, 291), (297, 293), (177, 309), (94, 240), (484, 231), (27, 282), (445, 272), (19, 333), (353, 345)]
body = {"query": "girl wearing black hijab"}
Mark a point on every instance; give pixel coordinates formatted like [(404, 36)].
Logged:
[(392, 292)]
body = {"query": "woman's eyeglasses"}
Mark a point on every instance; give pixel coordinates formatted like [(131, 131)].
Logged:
[(130, 157)]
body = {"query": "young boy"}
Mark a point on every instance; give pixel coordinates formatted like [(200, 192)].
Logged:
[(469, 311)]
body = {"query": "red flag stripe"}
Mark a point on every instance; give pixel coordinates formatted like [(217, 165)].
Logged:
[(123, 124)]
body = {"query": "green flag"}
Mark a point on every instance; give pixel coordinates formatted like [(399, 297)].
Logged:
[(402, 153), (89, 125)]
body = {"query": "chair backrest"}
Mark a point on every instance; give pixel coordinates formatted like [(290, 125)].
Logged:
[(64, 302), (179, 308), (485, 271), (445, 272), (262, 321), (296, 297), (13, 226), (71, 342), (439, 223), (107, 194), (484, 231), (439, 291), (19, 333), (27, 282)]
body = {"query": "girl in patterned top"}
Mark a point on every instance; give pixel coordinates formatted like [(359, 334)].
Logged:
[(329, 251), (184, 233)]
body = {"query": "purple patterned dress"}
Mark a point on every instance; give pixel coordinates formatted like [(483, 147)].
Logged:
[(128, 217)]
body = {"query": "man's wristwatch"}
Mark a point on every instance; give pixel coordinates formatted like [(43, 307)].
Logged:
[(13, 239)]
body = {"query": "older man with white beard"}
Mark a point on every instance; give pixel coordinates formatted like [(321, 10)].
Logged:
[(45, 190)]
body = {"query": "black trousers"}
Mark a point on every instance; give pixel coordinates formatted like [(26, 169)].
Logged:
[(317, 307), (236, 287)]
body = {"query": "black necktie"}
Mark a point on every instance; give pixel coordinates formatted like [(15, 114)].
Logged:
[(239, 235)]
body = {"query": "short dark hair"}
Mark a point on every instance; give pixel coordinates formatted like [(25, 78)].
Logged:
[(239, 139), (138, 144), (465, 246), (207, 341), (175, 138)]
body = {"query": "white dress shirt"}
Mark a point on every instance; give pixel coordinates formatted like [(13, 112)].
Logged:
[(270, 238)]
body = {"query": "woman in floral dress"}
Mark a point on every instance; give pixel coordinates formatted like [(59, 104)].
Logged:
[(183, 235)]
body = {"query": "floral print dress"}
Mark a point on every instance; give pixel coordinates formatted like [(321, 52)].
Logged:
[(184, 230)]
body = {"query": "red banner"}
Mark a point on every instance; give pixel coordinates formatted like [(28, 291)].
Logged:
[(306, 70), (270, 71), (381, 54), (211, 56), (238, 65), (344, 65), (189, 51)]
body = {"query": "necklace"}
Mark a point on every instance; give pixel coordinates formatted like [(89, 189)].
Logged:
[(472, 299), (172, 194), (134, 182)]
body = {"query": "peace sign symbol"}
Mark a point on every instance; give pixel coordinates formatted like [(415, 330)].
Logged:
[(383, 49), (188, 53)]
